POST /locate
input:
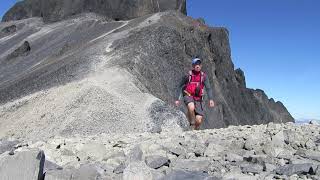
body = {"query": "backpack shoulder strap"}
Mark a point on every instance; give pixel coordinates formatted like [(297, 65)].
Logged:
[(202, 78), (190, 76)]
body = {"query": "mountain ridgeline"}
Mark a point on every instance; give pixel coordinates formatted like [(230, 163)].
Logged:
[(55, 10), (79, 66)]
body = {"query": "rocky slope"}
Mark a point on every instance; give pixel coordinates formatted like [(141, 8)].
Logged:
[(71, 82), (272, 151), (87, 74)]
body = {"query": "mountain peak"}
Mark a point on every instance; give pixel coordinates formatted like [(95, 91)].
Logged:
[(56, 10)]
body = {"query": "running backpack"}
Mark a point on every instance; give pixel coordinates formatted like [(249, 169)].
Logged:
[(195, 85)]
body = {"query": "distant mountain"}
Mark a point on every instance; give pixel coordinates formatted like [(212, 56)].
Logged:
[(306, 120)]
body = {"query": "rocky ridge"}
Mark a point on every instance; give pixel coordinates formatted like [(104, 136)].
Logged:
[(272, 151), (56, 10), (87, 75)]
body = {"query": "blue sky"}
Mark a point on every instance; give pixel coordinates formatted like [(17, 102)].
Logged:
[(275, 42), (5, 5)]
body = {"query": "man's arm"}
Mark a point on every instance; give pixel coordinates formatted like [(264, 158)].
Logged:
[(181, 85), (208, 88), (209, 92)]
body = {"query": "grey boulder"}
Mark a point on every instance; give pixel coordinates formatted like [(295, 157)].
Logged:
[(58, 175), (24, 165), (156, 162), (192, 164), (23, 50), (135, 154), (251, 168), (139, 170), (48, 166), (187, 175), (8, 30), (7, 145), (85, 172), (233, 157), (295, 169)]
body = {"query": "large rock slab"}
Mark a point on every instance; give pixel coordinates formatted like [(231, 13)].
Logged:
[(139, 170), (24, 165), (156, 162), (58, 175), (49, 166), (188, 175), (296, 169), (85, 172), (55, 10), (192, 164), (251, 168), (135, 154), (93, 150), (233, 157), (6, 145), (314, 155)]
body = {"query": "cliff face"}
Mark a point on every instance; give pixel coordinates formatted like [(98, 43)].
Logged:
[(88, 75), (55, 10), (164, 57)]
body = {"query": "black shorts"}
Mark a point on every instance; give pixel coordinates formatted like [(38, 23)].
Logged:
[(198, 105)]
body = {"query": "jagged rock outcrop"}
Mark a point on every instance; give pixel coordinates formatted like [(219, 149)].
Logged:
[(8, 30), (87, 75), (166, 53), (55, 10), (23, 50)]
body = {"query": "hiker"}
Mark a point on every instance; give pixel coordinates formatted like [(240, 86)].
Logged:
[(192, 86)]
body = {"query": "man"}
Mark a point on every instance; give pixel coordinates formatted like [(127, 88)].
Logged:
[(192, 85)]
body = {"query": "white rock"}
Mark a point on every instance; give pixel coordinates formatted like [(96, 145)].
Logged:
[(214, 150), (310, 144), (137, 171), (93, 150), (238, 176), (233, 157)]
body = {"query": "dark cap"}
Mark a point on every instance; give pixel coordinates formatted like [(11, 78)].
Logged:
[(196, 61)]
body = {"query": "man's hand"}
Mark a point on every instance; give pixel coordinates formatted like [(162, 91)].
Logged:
[(177, 103), (211, 103)]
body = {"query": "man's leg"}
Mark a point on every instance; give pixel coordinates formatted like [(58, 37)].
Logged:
[(191, 115), (199, 114), (199, 120)]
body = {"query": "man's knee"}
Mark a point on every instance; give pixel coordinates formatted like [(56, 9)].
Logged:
[(191, 107), (199, 119)]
